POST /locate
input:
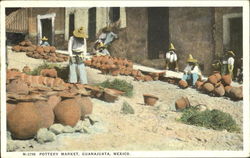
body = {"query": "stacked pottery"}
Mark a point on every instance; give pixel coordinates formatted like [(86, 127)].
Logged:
[(150, 99)]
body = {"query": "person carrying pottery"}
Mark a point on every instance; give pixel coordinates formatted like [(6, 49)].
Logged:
[(191, 71), (171, 59), (77, 48), (44, 41), (227, 66)]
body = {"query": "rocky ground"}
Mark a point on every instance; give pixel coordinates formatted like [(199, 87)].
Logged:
[(149, 128)]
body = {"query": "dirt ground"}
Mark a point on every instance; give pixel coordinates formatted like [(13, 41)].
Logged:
[(150, 128)]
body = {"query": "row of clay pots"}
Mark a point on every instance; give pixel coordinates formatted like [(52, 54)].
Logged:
[(40, 52)]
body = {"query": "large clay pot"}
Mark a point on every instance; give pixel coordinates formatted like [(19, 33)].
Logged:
[(54, 100), (150, 99), (24, 121), (47, 113), (228, 89), (212, 79), (183, 84), (226, 79), (219, 90), (86, 106), (236, 93), (182, 103), (10, 107), (48, 73), (67, 112), (218, 75), (198, 84), (208, 87), (16, 48)]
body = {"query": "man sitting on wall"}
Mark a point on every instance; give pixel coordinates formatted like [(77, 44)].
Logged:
[(191, 71), (171, 59), (44, 41)]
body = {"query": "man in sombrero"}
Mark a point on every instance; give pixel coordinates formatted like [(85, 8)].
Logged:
[(191, 71), (77, 48), (44, 41), (228, 63), (171, 59)]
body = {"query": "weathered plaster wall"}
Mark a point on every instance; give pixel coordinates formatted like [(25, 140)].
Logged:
[(191, 32)]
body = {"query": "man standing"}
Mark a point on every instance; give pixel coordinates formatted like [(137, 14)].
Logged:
[(228, 63), (191, 71), (171, 59), (77, 48)]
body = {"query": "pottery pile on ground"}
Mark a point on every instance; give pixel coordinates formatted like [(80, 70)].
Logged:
[(120, 66), (40, 52), (35, 102)]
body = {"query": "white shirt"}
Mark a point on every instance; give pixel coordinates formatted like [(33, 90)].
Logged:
[(171, 56), (195, 69), (230, 61), (77, 46)]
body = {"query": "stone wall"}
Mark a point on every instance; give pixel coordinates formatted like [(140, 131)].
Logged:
[(191, 33)]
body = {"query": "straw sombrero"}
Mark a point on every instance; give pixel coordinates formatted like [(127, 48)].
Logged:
[(106, 29), (171, 46), (79, 33), (191, 59), (44, 38), (231, 53)]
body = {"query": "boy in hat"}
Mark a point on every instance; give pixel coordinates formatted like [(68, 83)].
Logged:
[(171, 59), (191, 71), (228, 63), (77, 48), (44, 41)]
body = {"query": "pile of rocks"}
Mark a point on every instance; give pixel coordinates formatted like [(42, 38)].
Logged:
[(40, 52), (120, 66), (217, 85)]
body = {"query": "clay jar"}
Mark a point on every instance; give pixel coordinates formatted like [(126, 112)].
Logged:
[(212, 79), (198, 84), (219, 90), (182, 103), (150, 99), (226, 79), (183, 84), (208, 87)]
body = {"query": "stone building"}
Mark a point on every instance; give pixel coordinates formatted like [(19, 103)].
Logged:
[(145, 33)]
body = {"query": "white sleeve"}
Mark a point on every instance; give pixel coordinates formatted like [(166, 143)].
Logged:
[(84, 47), (175, 57), (186, 69), (230, 61), (70, 46), (167, 55), (195, 70)]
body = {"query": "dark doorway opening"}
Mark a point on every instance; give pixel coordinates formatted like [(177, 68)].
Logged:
[(47, 29), (14, 38), (158, 31), (114, 14), (92, 24), (236, 40), (71, 24)]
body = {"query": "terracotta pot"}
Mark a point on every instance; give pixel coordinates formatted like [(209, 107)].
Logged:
[(39, 50), (183, 84), (46, 112), (212, 79), (46, 49), (139, 78), (150, 99), (10, 107), (110, 95), (115, 72), (219, 90), (68, 112), (208, 87), (52, 49), (236, 93), (59, 59), (226, 79), (54, 100), (22, 43), (182, 103), (17, 86), (28, 43), (228, 89), (49, 73), (16, 48), (198, 84), (24, 121), (218, 75), (86, 106), (148, 78)]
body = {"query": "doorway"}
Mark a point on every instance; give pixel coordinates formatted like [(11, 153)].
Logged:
[(114, 14), (47, 29), (71, 24), (92, 24), (158, 31)]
